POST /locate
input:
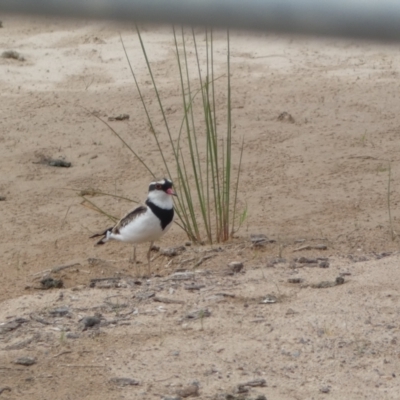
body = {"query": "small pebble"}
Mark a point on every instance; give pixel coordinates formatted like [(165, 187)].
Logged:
[(286, 117), (59, 163), (120, 117), (194, 286), (50, 283), (269, 299), (325, 389), (181, 276), (90, 322), (124, 381), (295, 280), (25, 361), (260, 240), (59, 312), (13, 54), (305, 260), (71, 335), (188, 391), (323, 264), (235, 266)]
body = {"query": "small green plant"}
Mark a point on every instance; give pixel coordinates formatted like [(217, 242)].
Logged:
[(201, 316), (201, 162), (62, 337)]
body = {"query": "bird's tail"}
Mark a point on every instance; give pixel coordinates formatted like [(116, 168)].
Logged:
[(105, 236)]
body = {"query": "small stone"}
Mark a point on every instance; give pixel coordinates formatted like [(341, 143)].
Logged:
[(339, 280), (13, 54), (198, 314), (191, 390), (59, 312), (25, 361), (12, 325), (305, 260), (124, 382), (382, 255), (120, 117), (241, 389), (58, 163), (71, 335), (325, 389), (253, 383), (269, 299), (295, 280), (328, 284), (286, 117), (323, 285), (181, 276), (260, 240), (323, 264), (50, 283), (89, 322), (194, 286), (235, 266)]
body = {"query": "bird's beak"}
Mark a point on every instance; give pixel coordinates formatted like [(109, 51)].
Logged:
[(171, 192)]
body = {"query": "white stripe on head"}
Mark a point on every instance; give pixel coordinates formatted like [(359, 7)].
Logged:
[(158, 195)]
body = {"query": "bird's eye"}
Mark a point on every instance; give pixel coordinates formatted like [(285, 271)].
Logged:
[(158, 186)]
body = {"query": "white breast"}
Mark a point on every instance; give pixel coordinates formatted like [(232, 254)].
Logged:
[(145, 228)]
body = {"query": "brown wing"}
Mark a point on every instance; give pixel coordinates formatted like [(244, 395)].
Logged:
[(128, 218), (102, 233)]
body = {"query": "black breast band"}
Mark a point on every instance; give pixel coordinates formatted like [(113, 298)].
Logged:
[(165, 215)]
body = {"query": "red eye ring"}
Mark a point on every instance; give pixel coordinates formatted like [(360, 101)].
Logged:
[(158, 186)]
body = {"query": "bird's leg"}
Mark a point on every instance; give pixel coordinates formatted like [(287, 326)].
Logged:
[(149, 255), (132, 260)]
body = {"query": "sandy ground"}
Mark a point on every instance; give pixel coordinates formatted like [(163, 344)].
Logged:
[(273, 328)]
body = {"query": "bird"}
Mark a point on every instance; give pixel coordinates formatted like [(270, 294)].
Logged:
[(146, 223)]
